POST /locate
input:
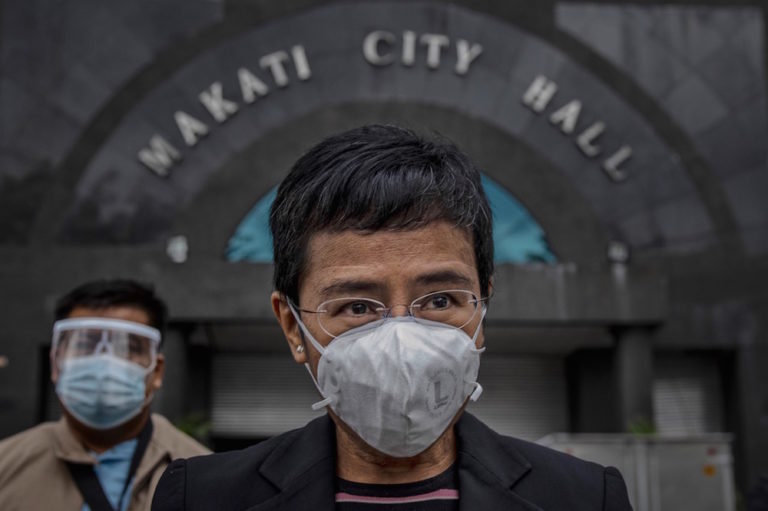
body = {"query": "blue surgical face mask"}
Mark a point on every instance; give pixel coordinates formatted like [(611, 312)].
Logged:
[(102, 391)]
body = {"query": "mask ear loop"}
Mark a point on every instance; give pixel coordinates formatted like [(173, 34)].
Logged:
[(317, 345), (306, 334), (323, 402), (478, 388), (476, 393), (477, 332)]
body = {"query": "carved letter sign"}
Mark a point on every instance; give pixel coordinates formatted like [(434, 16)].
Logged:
[(380, 48), (538, 97), (161, 155)]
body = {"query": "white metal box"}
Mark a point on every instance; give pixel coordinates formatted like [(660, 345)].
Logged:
[(662, 473)]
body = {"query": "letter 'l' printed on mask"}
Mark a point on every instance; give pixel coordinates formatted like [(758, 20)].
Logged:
[(402, 380)]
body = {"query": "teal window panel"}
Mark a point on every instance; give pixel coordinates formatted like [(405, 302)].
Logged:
[(517, 237)]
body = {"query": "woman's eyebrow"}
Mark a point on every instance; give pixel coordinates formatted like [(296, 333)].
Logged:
[(346, 287), (357, 286), (444, 277)]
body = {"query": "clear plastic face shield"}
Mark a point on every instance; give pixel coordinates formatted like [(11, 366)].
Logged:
[(84, 337)]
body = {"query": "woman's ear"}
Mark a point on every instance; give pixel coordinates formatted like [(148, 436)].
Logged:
[(290, 326)]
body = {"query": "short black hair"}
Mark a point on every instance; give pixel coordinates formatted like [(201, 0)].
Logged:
[(100, 294), (373, 178)]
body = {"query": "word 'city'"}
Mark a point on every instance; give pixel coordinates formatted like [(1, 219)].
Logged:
[(380, 48)]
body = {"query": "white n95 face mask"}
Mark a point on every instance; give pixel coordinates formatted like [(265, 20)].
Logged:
[(397, 382)]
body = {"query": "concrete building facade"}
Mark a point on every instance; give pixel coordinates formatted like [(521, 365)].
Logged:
[(139, 138)]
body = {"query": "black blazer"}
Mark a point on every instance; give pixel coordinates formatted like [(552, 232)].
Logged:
[(296, 470)]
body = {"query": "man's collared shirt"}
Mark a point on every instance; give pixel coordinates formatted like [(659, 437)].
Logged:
[(112, 468)]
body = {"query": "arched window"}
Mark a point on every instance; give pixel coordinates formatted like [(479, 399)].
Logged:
[(517, 237)]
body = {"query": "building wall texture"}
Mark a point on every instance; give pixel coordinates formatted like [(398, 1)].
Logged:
[(633, 132)]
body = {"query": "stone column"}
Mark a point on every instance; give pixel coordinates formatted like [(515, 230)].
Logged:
[(633, 371)]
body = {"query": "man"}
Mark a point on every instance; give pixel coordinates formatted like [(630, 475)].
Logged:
[(383, 260), (107, 452)]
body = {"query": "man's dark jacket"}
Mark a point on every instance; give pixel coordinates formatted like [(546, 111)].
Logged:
[(296, 471)]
